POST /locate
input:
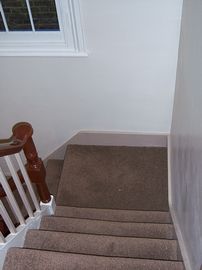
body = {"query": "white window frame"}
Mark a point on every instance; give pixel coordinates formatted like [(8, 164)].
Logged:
[(69, 41)]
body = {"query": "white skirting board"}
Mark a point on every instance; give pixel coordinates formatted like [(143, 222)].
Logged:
[(180, 238), (110, 138), (17, 240)]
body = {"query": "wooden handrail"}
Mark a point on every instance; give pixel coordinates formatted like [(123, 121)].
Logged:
[(21, 139), (10, 146), (21, 133)]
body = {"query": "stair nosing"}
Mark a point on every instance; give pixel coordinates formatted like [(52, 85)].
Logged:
[(109, 221), (97, 255), (100, 235), (115, 209), (104, 256), (59, 216)]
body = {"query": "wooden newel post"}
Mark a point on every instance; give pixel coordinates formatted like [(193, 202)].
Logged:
[(35, 166), (36, 170)]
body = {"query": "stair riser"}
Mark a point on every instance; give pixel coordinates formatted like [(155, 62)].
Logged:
[(45, 260), (114, 215), (161, 231), (103, 245)]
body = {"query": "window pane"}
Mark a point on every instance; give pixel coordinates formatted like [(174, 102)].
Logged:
[(2, 28), (16, 14), (44, 15)]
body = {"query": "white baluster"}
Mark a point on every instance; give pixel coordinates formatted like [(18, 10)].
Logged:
[(27, 181), (19, 185), (11, 198), (2, 239), (6, 218)]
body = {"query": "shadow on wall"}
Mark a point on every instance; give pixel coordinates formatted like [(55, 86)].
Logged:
[(186, 138), (111, 139)]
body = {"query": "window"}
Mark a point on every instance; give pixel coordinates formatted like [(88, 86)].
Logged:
[(41, 27)]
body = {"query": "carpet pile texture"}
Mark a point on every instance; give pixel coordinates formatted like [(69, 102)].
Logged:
[(112, 214), (114, 177)]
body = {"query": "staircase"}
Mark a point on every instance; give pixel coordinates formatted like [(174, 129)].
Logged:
[(79, 237)]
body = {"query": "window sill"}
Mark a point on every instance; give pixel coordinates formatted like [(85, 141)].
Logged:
[(59, 53), (68, 42)]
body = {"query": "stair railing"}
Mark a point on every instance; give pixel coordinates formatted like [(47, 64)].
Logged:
[(13, 151)]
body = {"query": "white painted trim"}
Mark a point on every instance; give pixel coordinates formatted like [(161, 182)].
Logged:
[(120, 138), (69, 41), (30, 15), (180, 238), (111, 138), (11, 199), (17, 240), (6, 218), (3, 17), (19, 186), (169, 171), (42, 53), (27, 181), (2, 239), (181, 241)]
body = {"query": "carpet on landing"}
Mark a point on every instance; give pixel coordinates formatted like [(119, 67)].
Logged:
[(114, 177)]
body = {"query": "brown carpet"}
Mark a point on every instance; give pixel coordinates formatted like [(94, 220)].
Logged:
[(50, 260), (114, 177), (82, 243), (77, 238), (103, 245)]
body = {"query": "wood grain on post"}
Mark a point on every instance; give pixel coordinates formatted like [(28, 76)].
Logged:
[(35, 166), (22, 140)]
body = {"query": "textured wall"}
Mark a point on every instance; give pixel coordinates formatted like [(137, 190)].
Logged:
[(125, 84), (186, 138)]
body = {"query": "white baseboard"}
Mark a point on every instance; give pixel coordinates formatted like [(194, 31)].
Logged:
[(175, 220), (180, 239), (17, 240), (108, 138)]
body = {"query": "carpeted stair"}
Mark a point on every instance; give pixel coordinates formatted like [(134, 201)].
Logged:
[(83, 238)]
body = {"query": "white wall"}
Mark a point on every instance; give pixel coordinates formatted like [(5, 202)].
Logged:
[(186, 138), (126, 83)]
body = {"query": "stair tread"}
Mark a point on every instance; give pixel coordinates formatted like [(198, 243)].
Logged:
[(42, 260), (102, 245), (82, 238), (114, 214), (147, 230), (114, 177)]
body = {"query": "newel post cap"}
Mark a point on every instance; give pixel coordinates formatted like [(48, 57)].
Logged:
[(22, 130)]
